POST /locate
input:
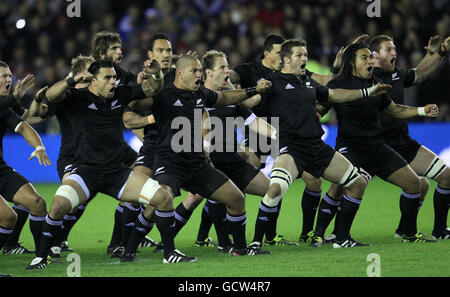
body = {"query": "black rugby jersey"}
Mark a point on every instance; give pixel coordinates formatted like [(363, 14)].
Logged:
[(100, 124), (70, 135), (183, 110), (8, 120), (395, 129), (359, 119), (226, 139), (293, 101)]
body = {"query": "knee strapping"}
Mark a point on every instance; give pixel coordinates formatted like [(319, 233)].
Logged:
[(70, 194), (436, 167), (350, 176), (148, 191), (282, 178)]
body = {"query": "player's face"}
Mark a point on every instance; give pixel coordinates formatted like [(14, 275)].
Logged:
[(363, 63), (221, 72), (387, 55), (191, 76), (273, 57), (298, 59), (162, 52), (104, 83), (5, 81), (114, 53)]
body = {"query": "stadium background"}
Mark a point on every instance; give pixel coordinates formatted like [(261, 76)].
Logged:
[(39, 37)]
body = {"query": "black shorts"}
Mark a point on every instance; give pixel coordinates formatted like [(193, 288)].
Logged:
[(237, 169), (408, 149), (64, 164), (93, 180), (10, 182), (129, 155), (203, 180), (377, 158), (146, 156), (311, 155)]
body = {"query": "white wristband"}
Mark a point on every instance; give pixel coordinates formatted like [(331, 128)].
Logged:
[(38, 148), (421, 111)]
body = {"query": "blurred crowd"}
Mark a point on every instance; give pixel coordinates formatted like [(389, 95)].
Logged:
[(46, 38)]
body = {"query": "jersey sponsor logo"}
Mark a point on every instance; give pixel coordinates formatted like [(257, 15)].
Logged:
[(199, 100), (283, 150), (308, 85), (114, 104), (159, 170), (289, 87), (343, 150), (178, 103), (92, 106), (395, 76)]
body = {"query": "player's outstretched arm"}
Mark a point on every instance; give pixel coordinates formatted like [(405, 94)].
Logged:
[(404, 111), (343, 95), (229, 97), (34, 140), (132, 120), (57, 92)]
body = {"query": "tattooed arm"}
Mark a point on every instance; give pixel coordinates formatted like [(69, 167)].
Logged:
[(132, 120)]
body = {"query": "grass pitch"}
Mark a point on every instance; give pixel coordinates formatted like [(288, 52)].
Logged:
[(375, 223)]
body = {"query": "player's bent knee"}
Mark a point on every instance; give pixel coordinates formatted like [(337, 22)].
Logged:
[(148, 191), (69, 193), (9, 219)]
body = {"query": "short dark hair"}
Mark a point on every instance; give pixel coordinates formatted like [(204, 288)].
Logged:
[(155, 37), (348, 59), (272, 39), (286, 47), (3, 64), (101, 42), (375, 43), (95, 67)]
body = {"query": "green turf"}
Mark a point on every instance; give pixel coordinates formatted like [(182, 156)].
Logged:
[(375, 223)]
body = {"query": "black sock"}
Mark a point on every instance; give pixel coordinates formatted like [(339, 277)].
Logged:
[(218, 215), (142, 227), (441, 202), (22, 216), (237, 229), (4, 234), (327, 210), (271, 229), (337, 219), (165, 222), (409, 207), (310, 202), (50, 231), (115, 238), (69, 222), (130, 213), (349, 208), (265, 214), (182, 215), (206, 221), (36, 225)]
